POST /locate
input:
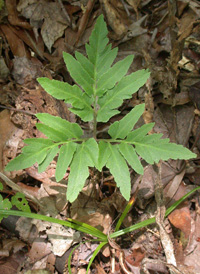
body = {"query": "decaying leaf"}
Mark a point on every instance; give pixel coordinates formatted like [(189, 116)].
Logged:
[(47, 16)]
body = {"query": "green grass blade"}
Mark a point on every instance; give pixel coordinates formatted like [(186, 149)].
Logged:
[(126, 210), (70, 258), (151, 220), (133, 227), (177, 203), (97, 232), (95, 254), (71, 223)]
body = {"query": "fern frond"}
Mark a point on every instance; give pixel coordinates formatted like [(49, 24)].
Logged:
[(153, 149), (123, 90), (138, 134), (64, 159), (48, 159), (81, 103), (26, 160), (85, 156), (131, 157), (119, 169), (71, 130), (99, 90), (120, 129), (109, 79)]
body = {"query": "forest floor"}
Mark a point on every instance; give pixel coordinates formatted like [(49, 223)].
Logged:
[(164, 37)]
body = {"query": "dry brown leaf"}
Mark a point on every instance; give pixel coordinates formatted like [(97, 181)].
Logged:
[(136, 256), (29, 39), (11, 264), (146, 187), (13, 146), (86, 209), (186, 24), (13, 17), (6, 130), (62, 238), (116, 17), (58, 192), (47, 16), (29, 189), (176, 124), (181, 219), (134, 4), (16, 44), (13, 245), (192, 261), (25, 69), (181, 5), (39, 250), (34, 99), (172, 187), (85, 252), (100, 270), (149, 109)]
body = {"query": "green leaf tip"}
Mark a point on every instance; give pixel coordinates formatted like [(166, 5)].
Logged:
[(120, 129)]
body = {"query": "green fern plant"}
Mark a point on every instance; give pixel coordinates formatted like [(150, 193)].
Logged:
[(99, 90)]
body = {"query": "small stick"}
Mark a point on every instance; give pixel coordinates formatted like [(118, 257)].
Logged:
[(18, 110), (164, 237), (17, 188)]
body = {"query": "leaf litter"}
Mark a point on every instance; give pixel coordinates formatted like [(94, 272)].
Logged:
[(170, 39)]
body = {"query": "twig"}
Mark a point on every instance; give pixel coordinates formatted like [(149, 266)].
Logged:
[(84, 20), (175, 269), (18, 110), (112, 260), (125, 7), (121, 261), (164, 236), (17, 188)]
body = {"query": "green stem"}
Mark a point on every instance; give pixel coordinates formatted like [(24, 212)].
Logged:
[(95, 123), (95, 109), (95, 102)]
